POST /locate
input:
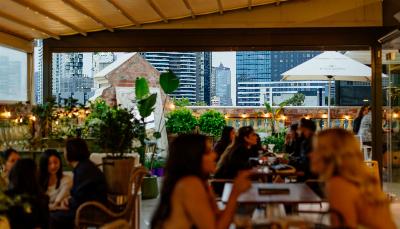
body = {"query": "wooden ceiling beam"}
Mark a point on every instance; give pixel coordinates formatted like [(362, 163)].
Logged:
[(124, 12), (157, 10), (29, 25), (249, 5), (50, 15), (189, 7), (15, 41), (78, 7), (6, 30), (220, 8)]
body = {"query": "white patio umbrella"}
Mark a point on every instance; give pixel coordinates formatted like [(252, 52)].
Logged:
[(329, 66)]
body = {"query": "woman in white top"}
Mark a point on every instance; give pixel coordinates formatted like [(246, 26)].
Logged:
[(53, 181)]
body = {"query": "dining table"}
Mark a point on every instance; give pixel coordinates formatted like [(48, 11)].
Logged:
[(266, 193)]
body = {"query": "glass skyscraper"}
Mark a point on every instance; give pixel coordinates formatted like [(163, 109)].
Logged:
[(223, 85), (183, 64), (255, 69)]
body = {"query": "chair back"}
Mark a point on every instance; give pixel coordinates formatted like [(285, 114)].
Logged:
[(373, 168), (135, 182)]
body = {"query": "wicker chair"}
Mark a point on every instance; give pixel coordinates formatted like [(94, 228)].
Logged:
[(95, 214)]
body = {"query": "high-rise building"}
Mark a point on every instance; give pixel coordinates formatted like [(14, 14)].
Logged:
[(38, 70), (223, 85), (251, 67), (203, 77), (72, 76), (183, 64), (102, 60), (257, 70)]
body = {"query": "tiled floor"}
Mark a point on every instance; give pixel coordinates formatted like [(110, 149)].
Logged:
[(148, 207)]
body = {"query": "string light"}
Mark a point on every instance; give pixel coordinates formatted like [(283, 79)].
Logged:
[(6, 114)]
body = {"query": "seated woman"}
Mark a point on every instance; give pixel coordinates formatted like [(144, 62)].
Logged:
[(52, 180), (236, 157), (353, 191), (23, 182), (10, 156), (186, 200), (88, 184), (227, 137)]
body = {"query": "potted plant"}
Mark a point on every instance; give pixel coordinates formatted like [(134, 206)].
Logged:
[(145, 101), (113, 129), (211, 123)]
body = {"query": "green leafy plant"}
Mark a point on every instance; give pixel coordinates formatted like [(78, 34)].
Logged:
[(212, 122), (274, 114), (113, 128), (181, 121), (296, 100), (278, 140), (182, 102), (45, 115), (145, 102)]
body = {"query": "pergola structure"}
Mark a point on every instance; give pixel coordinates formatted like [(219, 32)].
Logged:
[(199, 25)]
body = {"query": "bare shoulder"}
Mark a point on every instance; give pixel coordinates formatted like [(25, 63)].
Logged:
[(190, 183)]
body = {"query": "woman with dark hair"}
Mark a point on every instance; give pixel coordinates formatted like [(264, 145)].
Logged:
[(236, 157), (227, 137), (9, 156), (88, 184), (186, 200), (357, 121), (24, 183), (53, 181)]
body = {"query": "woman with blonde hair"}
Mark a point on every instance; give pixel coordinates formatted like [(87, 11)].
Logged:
[(352, 190)]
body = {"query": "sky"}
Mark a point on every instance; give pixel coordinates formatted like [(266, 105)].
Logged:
[(228, 59)]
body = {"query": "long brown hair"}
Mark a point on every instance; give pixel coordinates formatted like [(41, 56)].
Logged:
[(341, 154), (185, 159)]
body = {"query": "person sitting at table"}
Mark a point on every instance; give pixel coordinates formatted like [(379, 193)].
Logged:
[(352, 190), (227, 137), (10, 157), (53, 181), (307, 129), (257, 149), (24, 183), (186, 199), (292, 141), (236, 157), (89, 184)]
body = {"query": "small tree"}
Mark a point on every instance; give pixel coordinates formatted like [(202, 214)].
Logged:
[(296, 100), (182, 102), (212, 122), (181, 121)]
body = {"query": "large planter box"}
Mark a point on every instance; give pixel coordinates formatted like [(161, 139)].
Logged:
[(150, 187)]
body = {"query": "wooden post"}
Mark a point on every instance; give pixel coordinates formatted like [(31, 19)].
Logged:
[(376, 68)]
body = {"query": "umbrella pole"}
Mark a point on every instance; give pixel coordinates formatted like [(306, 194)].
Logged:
[(329, 103)]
